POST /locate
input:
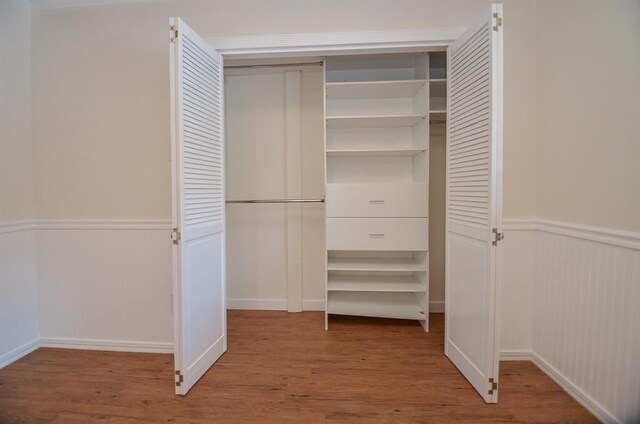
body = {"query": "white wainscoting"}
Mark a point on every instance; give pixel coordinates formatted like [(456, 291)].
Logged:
[(570, 297), (18, 291), (586, 313), (105, 285)]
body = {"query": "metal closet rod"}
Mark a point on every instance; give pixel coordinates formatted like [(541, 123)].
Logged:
[(274, 65), (277, 201)]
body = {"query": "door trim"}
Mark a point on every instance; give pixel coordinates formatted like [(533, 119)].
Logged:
[(334, 43)]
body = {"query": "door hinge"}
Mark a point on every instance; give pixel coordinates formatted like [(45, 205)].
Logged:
[(175, 236), (179, 378), (497, 237), (493, 386), (173, 34), (497, 22)]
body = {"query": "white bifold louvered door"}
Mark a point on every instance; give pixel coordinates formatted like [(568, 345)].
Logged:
[(474, 196), (200, 328)]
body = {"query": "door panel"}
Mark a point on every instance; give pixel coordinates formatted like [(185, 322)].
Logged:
[(198, 205), (474, 195)]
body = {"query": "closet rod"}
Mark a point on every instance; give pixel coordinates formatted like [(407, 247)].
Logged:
[(274, 65), (277, 201)]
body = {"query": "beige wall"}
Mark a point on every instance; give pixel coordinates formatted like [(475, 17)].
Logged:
[(18, 278), (589, 112), (101, 97), (520, 109), (16, 170), (101, 105)]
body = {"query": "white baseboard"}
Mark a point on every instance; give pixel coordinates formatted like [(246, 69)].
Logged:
[(18, 353), (307, 305), (273, 304), (109, 345), (313, 305), (568, 386), (436, 307), (258, 304), (515, 355)]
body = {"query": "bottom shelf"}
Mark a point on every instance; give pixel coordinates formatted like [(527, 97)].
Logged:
[(375, 304)]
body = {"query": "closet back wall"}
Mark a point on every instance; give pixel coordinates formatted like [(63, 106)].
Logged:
[(101, 141), (275, 149)]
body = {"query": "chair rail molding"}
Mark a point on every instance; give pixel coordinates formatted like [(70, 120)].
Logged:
[(103, 224), (627, 239), (14, 226), (61, 4)]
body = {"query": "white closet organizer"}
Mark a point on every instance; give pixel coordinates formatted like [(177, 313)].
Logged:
[(378, 111)]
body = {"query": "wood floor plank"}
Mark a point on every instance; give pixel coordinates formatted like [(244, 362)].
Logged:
[(283, 368)]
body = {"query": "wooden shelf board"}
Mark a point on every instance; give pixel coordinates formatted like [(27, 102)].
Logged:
[(374, 264), (383, 305), (374, 152), (373, 121), (373, 89), (374, 283)]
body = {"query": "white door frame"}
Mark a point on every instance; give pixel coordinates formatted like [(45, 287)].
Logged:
[(334, 43)]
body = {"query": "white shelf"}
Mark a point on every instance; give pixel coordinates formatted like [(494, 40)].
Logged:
[(373, 89), (373, 121), (374, 283), (374, 264), (374, 152), (384, 305)]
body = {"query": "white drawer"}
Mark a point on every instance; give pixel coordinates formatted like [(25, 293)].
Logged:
[(377, 200), (377, 234)]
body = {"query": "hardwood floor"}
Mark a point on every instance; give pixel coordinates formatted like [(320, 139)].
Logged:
[(283, 368)]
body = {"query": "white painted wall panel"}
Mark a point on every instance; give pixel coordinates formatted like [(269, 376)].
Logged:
[(100, 285), (586, 321), (18, 294)]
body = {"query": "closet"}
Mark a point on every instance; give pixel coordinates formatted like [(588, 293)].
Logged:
[(382, 113), (379, 110)]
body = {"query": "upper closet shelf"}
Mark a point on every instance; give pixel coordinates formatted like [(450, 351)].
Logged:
[(373, 89), (373, 121)]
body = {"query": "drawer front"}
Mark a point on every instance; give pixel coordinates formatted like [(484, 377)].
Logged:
[(377, 234), (378, 200)]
